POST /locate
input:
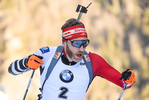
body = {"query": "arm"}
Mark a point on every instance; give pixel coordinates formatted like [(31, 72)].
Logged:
[(18, 67), (103, 69), (27, 63), (22, 65)]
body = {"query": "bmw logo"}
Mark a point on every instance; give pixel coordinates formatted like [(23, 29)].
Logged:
[(66, 76)]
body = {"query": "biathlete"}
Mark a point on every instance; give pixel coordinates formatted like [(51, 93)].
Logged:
[(67, 71)]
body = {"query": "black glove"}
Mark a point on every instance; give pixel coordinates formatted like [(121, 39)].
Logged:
[(126, 74)]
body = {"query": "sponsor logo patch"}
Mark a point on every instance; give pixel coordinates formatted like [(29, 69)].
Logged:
[(87, 58), (57, 54), (45, 50), (66, 76)]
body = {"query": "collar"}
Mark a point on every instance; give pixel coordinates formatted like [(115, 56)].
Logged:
[(66, 61)]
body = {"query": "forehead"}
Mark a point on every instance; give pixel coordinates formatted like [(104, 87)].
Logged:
[(81, 38)]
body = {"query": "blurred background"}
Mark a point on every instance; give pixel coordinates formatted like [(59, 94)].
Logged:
[(118, 30)]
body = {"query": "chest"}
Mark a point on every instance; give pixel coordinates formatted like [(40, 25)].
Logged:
[(67, 82), (74, 77)]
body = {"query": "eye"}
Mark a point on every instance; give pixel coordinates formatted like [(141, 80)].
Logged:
[(76, 42)]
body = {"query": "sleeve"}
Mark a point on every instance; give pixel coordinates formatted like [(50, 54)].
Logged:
[(19, 67), (103, 69)]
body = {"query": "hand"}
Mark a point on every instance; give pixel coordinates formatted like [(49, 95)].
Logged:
[(129, 77), (34, 61)]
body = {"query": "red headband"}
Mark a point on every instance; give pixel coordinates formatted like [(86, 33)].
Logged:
[(74, 32)]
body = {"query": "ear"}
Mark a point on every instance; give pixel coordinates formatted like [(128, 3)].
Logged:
[(64, 44)]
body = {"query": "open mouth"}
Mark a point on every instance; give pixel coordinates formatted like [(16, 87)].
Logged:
[(79, 55)]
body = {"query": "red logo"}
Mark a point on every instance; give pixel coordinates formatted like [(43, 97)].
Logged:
[(67, 33), (56, 55), (87, 58)]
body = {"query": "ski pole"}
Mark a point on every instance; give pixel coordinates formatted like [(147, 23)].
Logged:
[(125, 85), (28, 84)]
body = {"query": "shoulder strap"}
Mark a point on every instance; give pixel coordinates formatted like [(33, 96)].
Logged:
[(55, 59), (88, 65)]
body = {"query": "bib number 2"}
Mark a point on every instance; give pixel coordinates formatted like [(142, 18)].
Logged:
[(63, 92)]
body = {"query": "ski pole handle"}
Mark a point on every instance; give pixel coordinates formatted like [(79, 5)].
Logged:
[(125, 85), (28, 84)]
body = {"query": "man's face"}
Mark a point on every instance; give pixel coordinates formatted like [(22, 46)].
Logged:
[(73, 53)]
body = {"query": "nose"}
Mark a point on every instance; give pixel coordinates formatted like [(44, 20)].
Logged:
[(82, 48)]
